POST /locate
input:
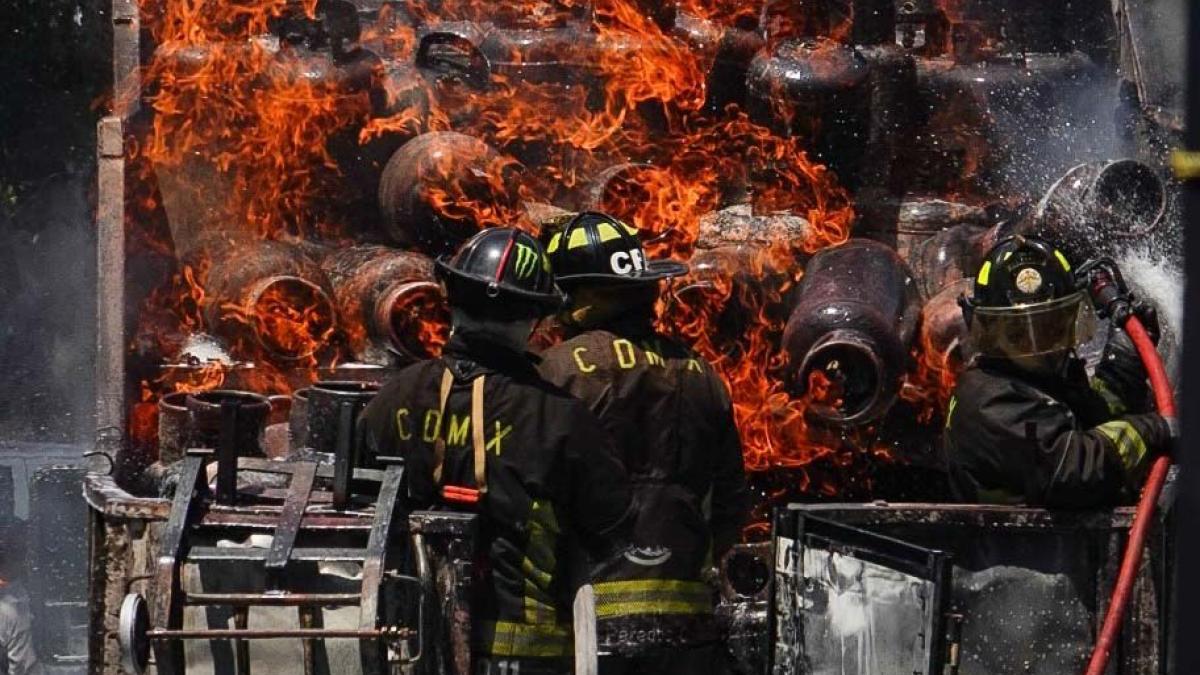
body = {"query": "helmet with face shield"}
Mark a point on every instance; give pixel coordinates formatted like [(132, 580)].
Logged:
[(1026, 302)]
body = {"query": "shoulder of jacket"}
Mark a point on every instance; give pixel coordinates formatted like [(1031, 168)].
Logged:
[(585, 339)]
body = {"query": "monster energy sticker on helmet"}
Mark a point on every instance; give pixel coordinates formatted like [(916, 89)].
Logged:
[(527, 261)]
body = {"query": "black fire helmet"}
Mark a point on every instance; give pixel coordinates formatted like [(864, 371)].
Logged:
[(595, 248), (500, 268), (1026, 301)]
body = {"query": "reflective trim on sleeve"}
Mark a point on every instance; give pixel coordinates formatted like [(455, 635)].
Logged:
[(1115, 405), (509, 638), (1130, 446), (950, 410), (652, 596)]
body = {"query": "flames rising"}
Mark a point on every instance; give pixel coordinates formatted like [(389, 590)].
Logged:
[(259, 135)]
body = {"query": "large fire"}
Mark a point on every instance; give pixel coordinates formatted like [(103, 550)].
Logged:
[(271, 122)]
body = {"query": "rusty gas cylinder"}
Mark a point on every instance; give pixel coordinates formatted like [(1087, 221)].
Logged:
[(207, 416), (950, 255), (817, 90), (325, 414), (1100, 208), (739, 225), (268, 297), (391, 308), (174, 421), (198, 190), (441, 187), (854, 318), (943, 328), (727, 290), (298, 419)]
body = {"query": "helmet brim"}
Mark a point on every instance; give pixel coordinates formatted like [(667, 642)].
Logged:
[(551, 301), (655, 270)]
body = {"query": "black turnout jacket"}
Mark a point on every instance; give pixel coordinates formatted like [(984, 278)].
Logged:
[(550, 476), (1059, 441), (672, 422)]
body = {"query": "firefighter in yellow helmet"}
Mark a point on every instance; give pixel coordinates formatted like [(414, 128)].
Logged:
[(1026, 424), (672, 423), (480, 430)]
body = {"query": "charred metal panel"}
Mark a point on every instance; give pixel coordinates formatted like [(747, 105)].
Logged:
[(1031, 577)]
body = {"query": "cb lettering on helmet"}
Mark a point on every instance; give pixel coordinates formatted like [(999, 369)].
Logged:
[(627, 262)]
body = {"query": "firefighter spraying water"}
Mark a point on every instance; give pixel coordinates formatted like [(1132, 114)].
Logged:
[(1026, 425)]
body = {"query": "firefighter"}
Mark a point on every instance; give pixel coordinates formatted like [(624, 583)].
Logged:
[(480, 424), (671, 420), (1026, 425), (17, 656)]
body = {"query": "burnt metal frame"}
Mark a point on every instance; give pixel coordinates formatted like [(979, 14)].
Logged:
[(1147, 640), (924, 563), (192, 499)]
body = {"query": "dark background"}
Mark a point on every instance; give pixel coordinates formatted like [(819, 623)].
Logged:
[(55, 76)]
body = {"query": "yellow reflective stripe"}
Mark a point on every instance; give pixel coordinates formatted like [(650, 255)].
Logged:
[(652, 596), (554, 242), (1130, 446), (509, 638), (539, 560), (950, 410), (1062, 259), (1115, 405), (607, 232), (985, 273), (610, 610), (537, 610), (645, 585), (578, 238)]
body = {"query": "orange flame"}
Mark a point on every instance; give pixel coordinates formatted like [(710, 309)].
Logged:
[(245, 143)]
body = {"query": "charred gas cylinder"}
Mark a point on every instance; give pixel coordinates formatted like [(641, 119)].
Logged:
[(174, 421), (268, 297), (441, 187), (855, 315), (210, 411), (725, 291), (738, 225), (729, 50), (389, 304), (332, 409), (298, 420), (944, 330), (817, 90), (916, 221), (1099, 208), (197, 192), (862, 22), (950, 255)]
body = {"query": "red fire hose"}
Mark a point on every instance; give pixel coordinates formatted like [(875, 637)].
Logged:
[(1165, 400)]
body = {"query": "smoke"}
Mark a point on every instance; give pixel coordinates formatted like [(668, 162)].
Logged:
[(47, 312)]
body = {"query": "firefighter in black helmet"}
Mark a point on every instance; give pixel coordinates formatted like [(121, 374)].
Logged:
[(1026, 425), (479, 429), (672, 423)]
